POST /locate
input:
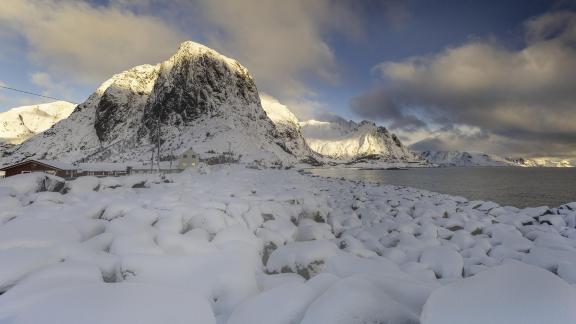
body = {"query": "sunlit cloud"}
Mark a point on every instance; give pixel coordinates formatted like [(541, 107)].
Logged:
[(76, 40)]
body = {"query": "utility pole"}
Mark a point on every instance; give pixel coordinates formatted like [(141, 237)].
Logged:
[(158, 138), (229, 157), (152, 160)]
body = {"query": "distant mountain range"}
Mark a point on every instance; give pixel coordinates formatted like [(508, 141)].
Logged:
[(470, 159)]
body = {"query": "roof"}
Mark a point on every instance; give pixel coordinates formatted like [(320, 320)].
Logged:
[(58, 164), (97, 166), (103, 166), (116, 166), (54, 164)]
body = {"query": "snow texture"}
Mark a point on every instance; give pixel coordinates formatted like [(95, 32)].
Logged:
[(232, 244)]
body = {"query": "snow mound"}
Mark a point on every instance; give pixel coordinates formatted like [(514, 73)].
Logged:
[(22, 184), (511, 293), (305, 258), (109, 303), (289, 301), (36, 233), (358, 299)]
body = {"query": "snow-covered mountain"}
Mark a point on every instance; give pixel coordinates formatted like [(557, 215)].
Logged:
[(461, 159), (341, 139), (545, 162), (20, 123), (197, 99), (467, 159), (289, 128)]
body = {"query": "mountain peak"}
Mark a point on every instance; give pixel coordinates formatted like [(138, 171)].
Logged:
[(191, 50)]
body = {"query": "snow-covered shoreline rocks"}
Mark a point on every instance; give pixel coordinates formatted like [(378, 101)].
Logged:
[(238, 245), (510, 293)]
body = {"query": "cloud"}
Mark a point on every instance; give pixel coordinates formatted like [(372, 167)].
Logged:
[(376, 104), (85, 43), (282, 43), (525, 99), (50, 87), (306, 109)]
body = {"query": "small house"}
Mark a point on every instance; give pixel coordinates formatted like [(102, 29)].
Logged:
[(56, 168), (188, 159)]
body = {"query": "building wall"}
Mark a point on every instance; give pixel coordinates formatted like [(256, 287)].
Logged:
[(35, 167), (188, 159)]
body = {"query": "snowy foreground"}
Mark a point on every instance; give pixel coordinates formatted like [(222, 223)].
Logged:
[(267, 246)]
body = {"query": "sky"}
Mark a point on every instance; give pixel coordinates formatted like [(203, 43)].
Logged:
[(485, 76)]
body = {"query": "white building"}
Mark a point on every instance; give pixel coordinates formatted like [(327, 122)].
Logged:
[(188, 159)]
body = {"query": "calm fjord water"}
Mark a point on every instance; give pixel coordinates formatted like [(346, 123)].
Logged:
[(512, 186)]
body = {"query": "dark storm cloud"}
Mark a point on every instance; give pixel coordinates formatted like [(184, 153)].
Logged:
[(378, 104), (525, 98)]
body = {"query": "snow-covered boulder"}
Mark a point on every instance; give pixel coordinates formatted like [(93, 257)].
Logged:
[(445, 262), (17, 263), (109, 303), (308, 231), (36, 233), (305, 258), (56, 276), (511, 293), (32, 182), (284, 304), (358, 299), (83, 184)]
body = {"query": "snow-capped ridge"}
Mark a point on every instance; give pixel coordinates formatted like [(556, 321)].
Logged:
[(467, 159), (20, 123), (341, 139)]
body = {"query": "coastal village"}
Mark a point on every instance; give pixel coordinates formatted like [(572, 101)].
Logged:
[(68, 171)]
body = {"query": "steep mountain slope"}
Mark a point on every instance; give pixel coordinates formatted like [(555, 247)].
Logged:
[(197, 99), (289, 128), (20, 123), (75, 138), (341, 139), (462, 159)]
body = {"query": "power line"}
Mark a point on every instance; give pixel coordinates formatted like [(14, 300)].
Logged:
[(36, 94)]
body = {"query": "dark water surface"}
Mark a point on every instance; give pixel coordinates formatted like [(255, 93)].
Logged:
[(512, 186)]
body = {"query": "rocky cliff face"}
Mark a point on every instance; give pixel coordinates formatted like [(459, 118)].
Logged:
[(197, 99), (289, 129), (120, 108), (341, 139)]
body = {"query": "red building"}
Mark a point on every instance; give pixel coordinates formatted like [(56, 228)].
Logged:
[(60, 169)]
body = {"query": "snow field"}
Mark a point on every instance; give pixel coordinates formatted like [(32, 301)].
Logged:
[(237, 245)]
